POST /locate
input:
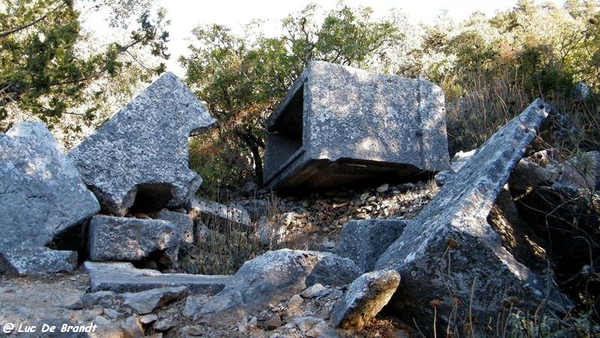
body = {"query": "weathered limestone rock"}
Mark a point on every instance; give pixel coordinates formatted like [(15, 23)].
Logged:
[(182, 222), (123, 277), (270, 279), (340, 125), (529, 174), (139, 158), (34, 260), (215, 213), (132, 239), (41, 196), (457, 162), (366, 296), (147, 301), (274, 232), (363, 241), (449, 249)]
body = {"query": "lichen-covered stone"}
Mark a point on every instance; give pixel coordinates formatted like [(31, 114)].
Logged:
[(147, 301), (41, 196), (363, 241), (131, 239), (124, 277), (140, 156), (340, 125), (449, 249), (271, 278)]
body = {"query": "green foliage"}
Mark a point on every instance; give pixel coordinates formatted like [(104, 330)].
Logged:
[(241, 79), (489, 68), (492, 68), (45, 69)]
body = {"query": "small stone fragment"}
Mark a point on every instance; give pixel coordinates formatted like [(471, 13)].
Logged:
[(366, 296), (315, 291), (272, 323), (295, 302), (149, 318), (133, 327), (306, 323), (147, 301), (163, 325), (195, 330), (383, 188)]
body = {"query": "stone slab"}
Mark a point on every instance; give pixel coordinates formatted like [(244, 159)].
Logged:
[(123, 277)]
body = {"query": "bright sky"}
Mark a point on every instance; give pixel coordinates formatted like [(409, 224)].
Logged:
[(187, 14)]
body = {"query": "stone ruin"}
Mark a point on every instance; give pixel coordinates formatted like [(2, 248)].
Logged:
[(136, 165), (138, 160), (41, 196), (339, 125)]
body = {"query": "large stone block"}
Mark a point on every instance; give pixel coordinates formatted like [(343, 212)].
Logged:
[(132, 239), (449, 252), (139, 158), (363, 241), (34, 260), (41, 196), (339, 125)]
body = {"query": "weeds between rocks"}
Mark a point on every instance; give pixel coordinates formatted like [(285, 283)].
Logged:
[(305, 223)]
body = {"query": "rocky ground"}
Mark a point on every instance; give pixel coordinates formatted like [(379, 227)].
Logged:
[(308, 222)]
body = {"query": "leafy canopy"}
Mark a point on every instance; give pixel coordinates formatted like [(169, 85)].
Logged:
[(48, 65), (241, 78)]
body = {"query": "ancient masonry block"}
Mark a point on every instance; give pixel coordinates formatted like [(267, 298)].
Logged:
[(340, 124)]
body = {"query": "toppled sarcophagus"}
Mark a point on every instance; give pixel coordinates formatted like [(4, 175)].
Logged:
[(339, 124)]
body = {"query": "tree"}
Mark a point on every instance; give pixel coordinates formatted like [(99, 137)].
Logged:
[(242, 78), (46, 70)]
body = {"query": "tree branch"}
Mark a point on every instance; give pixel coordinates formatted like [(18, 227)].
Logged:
[(25, 26)]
